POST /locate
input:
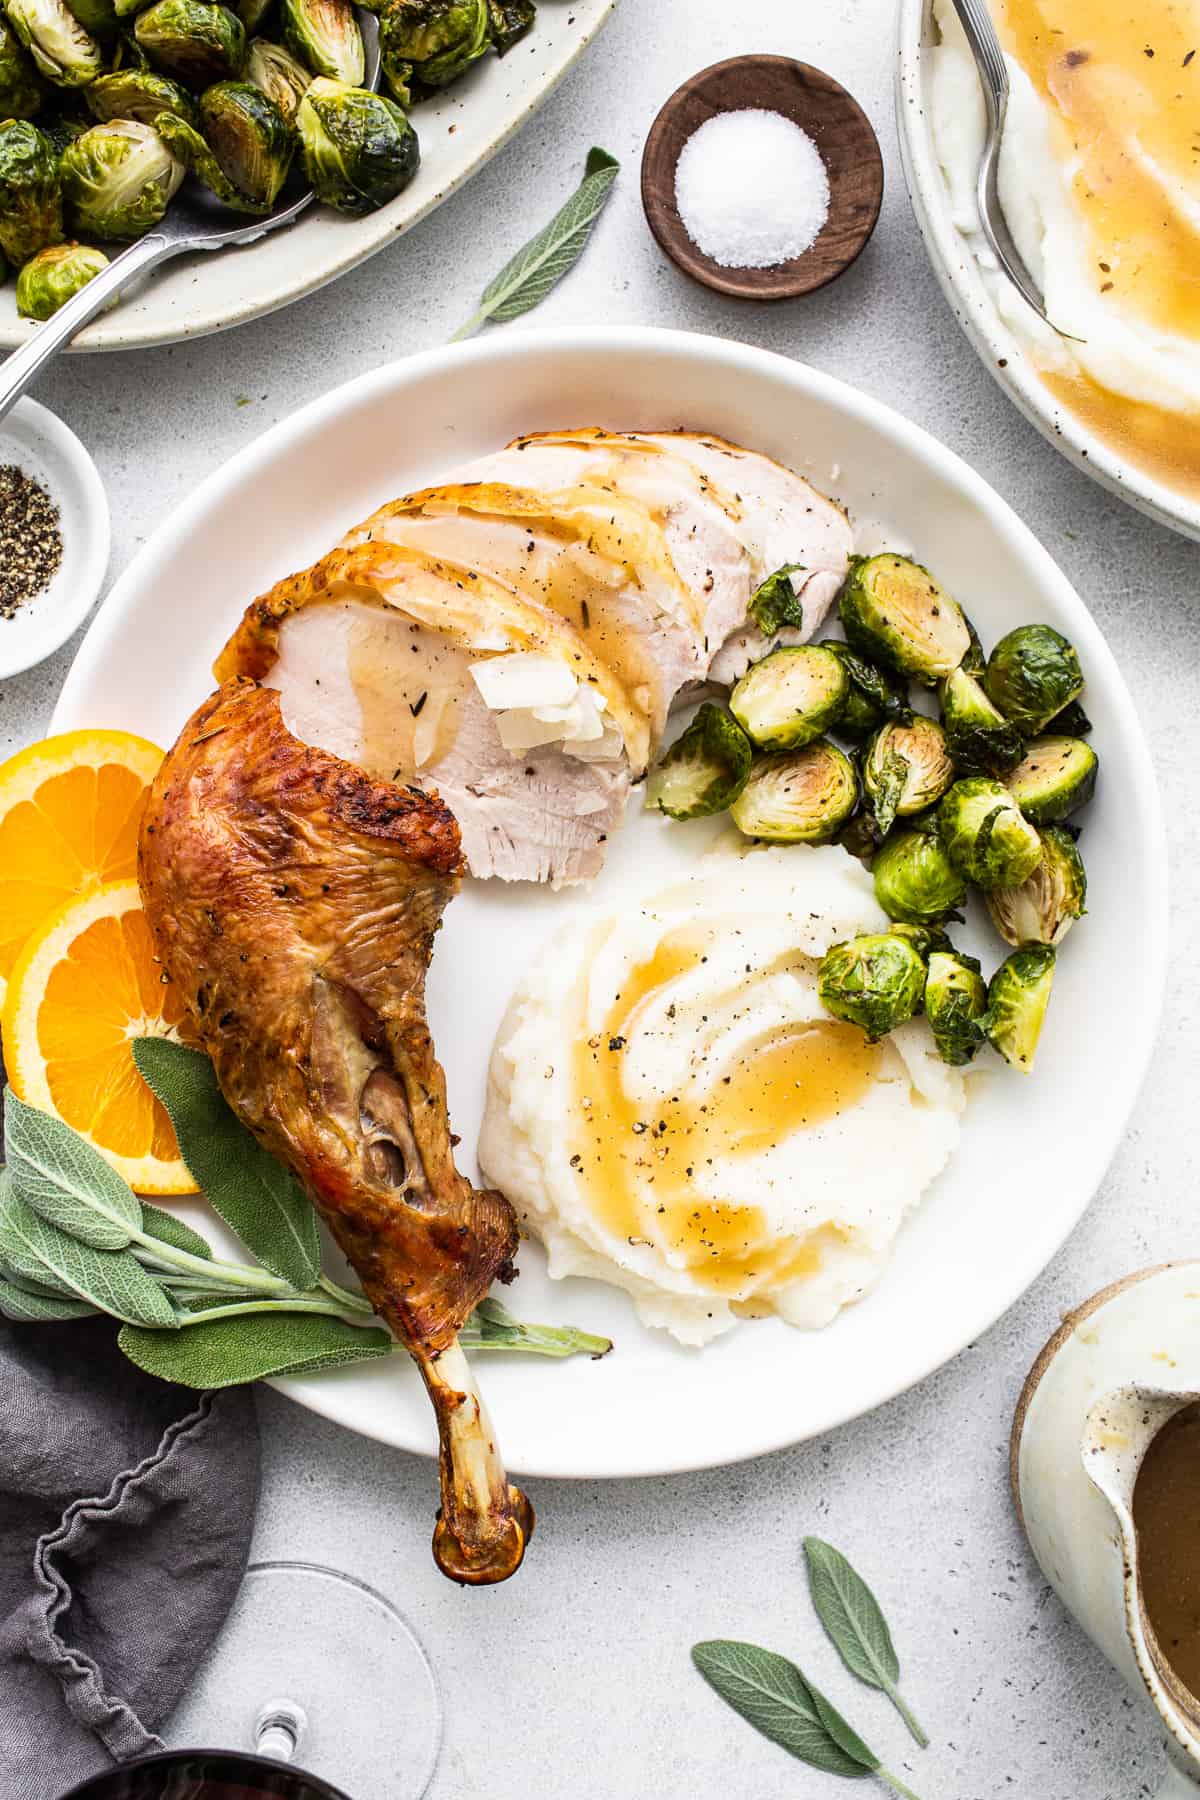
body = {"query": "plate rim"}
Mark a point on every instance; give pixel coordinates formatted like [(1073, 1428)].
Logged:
[(618, 341), (364, 239), (1002, 354)]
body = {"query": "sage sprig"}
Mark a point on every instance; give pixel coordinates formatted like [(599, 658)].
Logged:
[(76, 1241), (540, 265), (854, 1621), (770, 1693)]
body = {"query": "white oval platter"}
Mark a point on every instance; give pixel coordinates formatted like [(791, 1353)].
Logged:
[(1033, 1149)]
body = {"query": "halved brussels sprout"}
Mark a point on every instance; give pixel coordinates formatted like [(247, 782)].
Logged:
[(872, 694), (98, 17), (1017, 1000), (249, 137), (893, 610), (987, 838), (142, 95), (30, 194), (915, 881), (194, 40), (277, 74), (1048, 902), (509, 20), (798, 797), (118, 179), (325, 35), (775, 604), (875, 982), (197, 156), (955, 1005), (22, 90), (1054, 779), (359, 149), (906, 768), (432, 41), (705, 769), (61, 49), (790, 697), (1031, 675), (54, 275), (980, 739)]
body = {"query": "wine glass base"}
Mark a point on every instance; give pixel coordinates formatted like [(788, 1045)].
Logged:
[(309, 1644)]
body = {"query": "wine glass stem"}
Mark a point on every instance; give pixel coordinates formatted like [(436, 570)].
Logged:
[(278, 1729)]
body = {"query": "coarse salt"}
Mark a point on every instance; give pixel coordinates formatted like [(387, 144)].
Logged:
[(752, 189)]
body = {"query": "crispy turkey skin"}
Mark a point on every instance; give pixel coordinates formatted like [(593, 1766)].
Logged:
[(294, 901)]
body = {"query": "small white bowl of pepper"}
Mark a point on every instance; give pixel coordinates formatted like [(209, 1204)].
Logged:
[(54, 535)]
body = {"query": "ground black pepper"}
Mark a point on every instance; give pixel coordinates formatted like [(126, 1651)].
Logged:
[(30, 539)]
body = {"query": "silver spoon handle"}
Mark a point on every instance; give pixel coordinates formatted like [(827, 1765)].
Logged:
[(976, 22), (44, 344)]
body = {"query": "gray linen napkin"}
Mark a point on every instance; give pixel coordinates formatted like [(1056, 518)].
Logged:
[(126, 1507)]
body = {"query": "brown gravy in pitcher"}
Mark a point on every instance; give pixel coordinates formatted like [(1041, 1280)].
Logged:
[(1166, 1514)]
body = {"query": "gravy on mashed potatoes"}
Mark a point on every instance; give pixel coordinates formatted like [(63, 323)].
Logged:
[(671, 1109)]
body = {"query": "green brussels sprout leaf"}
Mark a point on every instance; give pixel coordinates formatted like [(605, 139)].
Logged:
[(705, 769), (906, 769), (509, 20), (873, 696), (775, 604), (979, 738)]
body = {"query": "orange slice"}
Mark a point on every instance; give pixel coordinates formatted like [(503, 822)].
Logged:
[(85, 985), (70, 808)]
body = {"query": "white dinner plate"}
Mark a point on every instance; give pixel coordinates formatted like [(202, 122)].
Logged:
[(459, 129), (1033, 1148), (1002, 354)]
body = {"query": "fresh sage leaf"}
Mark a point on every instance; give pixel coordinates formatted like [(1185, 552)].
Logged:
[(172, 1231), (226, 1352), (540, 265), (26, 1308), (65, 1180), (771, 1694), (492, 1327), (114, 1281), (255, 1195), (856, 1626), (776, 604)]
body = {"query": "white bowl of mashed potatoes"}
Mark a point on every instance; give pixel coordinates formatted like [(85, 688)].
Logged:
[(1097, 178)]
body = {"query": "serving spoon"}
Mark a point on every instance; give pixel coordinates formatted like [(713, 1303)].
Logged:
[(195, 220), (993, 74)]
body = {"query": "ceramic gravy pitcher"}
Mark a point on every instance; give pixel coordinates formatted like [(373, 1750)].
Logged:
[(1121, 1366)]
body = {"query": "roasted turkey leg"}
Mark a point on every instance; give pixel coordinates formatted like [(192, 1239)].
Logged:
[(294, 901)]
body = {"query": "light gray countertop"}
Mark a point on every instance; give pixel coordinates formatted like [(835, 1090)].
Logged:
[(575, 1677)]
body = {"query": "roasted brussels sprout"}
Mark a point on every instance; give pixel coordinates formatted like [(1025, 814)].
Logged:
[(432, 41), (875, 982), (1018, 996), (359, 149), (1072, 721), (1056, 776), (872, 694), (50, 278), (979, 738), (894, 611), (196, 155), (986, 837), (22, 90), (277, 74), (790, 697), (906, 768), (140, 94), (955, 1004), (249, 137), (705, 769), (915, 881), (193, 40), (118, 179), (30, 194), (61, 49), (1031, 675), (798, 797), (98, 17), (509, 20), (1048, 902), (775, 604), (325, 36)]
